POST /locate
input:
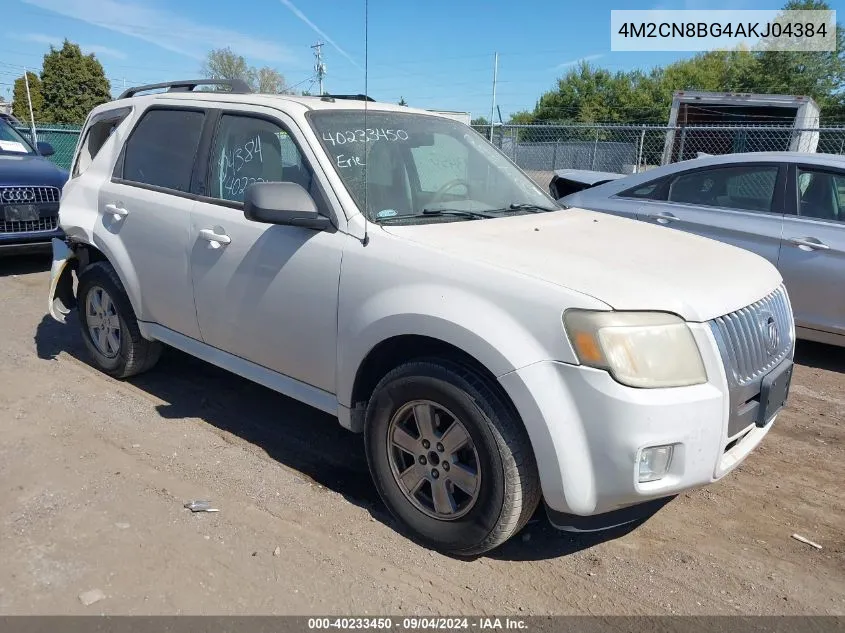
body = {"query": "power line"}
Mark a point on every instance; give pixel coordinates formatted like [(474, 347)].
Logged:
[(312, 79)]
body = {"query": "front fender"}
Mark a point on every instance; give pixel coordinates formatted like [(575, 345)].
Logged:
[(455, 316)]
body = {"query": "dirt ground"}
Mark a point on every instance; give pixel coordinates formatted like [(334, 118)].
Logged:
[(94, 473)]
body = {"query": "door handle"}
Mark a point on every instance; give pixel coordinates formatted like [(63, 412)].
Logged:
[(809, 243), (663, 217), (117, 211), (215, 239)]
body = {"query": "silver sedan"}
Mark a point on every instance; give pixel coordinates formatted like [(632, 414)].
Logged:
[(788, 207)]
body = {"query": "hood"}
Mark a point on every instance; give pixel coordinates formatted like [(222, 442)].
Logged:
[(627, 264), (30, 169)]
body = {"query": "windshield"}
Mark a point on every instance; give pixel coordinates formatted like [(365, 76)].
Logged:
[(423, 168), (11, 142)]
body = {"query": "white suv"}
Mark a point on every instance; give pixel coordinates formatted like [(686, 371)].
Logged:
[(391, 267)]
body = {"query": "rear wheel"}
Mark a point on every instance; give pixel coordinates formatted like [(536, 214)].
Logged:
[(109, 327), (449, 457)]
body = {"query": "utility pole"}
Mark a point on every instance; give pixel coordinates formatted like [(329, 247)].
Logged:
[(319, 66), (29, 101), (493, 106)]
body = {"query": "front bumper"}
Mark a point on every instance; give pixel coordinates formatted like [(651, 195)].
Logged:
[(28, 242), (61, 296), (587, 431)]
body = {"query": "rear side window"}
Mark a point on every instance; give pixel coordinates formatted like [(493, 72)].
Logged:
[(99, 130), (749, 188), (821, 194), (162, 149), (647, 191)]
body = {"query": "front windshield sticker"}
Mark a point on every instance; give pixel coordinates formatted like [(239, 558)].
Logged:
[(12, 146), (387, 213)]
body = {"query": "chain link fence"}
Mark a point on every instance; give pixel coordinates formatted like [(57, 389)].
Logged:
[(625, 149), (62, 137)]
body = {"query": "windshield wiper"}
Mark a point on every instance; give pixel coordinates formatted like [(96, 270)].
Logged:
[(463, 212), (433, 213), (527, 206)]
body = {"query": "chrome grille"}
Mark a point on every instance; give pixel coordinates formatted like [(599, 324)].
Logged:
[(29, 195), (747, 336), (26, 226)]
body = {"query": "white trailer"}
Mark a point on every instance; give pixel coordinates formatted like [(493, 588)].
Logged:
[(693, 108), (462, 117)]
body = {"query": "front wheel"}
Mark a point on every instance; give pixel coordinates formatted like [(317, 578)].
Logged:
[(449, 458)]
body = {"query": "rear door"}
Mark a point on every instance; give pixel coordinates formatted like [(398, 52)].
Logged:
[(812, 260), (739, 204), (145, 213)]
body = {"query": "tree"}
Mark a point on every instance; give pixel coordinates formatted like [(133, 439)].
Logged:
[(72, 84), (402, 101), (20, 107), (270, 81), (523, 117), (481, 125), (818, 74), (716, 71), (224, 63), (588, 94)]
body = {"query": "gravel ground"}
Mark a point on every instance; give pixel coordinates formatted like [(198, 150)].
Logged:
[(94, 474)]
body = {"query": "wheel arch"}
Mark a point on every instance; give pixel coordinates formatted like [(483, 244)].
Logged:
[(88, 254), (402, 348)]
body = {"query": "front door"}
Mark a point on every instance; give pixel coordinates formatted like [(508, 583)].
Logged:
[(737, 204), (812, 260), (145, 208), (266, 293)]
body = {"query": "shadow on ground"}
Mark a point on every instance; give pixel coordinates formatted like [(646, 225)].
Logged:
[(24, 264), (820, 356), (297, 436), (540, 541)]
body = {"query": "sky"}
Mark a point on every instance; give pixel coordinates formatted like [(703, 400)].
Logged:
[(435, 54)]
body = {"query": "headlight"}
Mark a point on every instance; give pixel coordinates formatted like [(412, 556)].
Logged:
[(639, 349)]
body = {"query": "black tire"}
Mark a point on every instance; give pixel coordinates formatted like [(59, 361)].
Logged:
[(509, 491), (136, 354)]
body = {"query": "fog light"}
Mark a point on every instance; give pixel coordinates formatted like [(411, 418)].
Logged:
[(654, 462)]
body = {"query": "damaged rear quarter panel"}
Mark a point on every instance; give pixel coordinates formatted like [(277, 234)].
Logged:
[(83, 223)]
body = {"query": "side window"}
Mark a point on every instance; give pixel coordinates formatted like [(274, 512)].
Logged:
[(162, 149), (748, 188), (247, 150), (443, 161), (646, 191), (99, 130), (821, 194)]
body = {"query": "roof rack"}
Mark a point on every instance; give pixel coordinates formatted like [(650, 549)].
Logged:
[(358, 97), (236, 86)]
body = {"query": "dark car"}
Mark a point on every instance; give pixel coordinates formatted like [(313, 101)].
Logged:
[(30, 189)]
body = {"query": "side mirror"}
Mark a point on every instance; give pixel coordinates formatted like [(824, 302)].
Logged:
[(284, 203), (45, 149)]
